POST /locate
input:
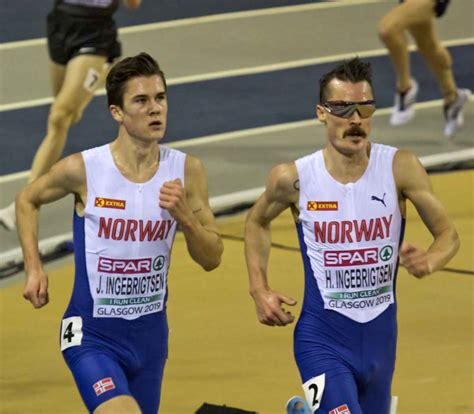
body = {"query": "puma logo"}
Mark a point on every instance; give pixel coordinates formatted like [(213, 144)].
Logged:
[(379, 199)]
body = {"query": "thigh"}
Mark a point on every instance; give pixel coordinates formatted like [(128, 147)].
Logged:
[(151, 347), (410, 13), (425, 37), (146, 386), (57, 73), (82, 77), (330, 393), (328, 381), (99, 378), (376, 397)]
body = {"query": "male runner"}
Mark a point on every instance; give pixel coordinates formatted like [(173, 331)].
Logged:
[(82, 44), (130, 196), (349, 204), (417, 18)]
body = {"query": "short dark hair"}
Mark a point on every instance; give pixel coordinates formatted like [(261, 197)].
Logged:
[(128, 68), (353, 70)]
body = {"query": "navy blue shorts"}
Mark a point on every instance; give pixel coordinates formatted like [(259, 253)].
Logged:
[(110, 362), (346, 364)]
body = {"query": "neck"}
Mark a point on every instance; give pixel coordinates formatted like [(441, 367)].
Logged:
[(346, 168), (136, 159)]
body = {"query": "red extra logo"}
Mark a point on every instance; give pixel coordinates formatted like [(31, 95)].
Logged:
[(342, 409), (124, 266), (103, 385), (357, 257), (109, 203), (322, 206)]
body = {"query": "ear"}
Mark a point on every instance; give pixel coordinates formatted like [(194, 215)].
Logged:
[(116, 113), (321, 114)]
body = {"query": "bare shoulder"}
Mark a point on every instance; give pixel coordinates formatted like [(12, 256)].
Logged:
[(408, 171), (282, 182), (405, 159), (193, 165), (72, 169), (194, 173)]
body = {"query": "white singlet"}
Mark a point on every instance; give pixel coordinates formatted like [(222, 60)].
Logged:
[(127, 236), (351, 233)]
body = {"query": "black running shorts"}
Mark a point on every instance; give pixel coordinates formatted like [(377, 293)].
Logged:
[(439, 8), (69, 37)]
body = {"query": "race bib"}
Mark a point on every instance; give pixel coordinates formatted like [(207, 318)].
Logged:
[(359, 282), (128, 288), (313, 391)]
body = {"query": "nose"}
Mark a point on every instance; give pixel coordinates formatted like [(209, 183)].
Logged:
[(355, 118), (155, 108)]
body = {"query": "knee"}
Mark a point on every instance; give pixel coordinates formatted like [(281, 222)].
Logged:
[(62, 117), (119, 404), (388, 30)]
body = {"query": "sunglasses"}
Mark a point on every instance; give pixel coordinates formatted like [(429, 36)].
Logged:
[(345, 109)]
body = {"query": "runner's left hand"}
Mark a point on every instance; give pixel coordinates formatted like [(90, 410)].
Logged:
[(173, 199), (415, 260)]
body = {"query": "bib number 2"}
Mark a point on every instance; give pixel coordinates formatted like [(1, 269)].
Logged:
[(313, 391), (71, 332)]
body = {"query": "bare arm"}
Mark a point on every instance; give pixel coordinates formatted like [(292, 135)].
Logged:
[(414, 184), (281, 191), (65, 177), (132, 4), (190, 208)]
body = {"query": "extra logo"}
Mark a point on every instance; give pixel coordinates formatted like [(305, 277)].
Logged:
[(103, 385), (342, 409), (322, 206), (109, 203)]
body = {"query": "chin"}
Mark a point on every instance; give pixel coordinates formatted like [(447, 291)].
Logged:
[(352, 147)]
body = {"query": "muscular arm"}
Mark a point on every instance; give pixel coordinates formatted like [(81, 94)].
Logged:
[(65, 177), (190, 208), (280, 193), (414, 185)]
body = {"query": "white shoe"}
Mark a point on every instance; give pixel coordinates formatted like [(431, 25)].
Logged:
[(403, 109), (453, 113), (7, 217)]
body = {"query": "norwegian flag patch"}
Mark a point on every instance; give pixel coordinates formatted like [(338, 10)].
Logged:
[(103, 385), (342, 409)]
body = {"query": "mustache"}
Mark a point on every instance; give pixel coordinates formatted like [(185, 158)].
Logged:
[(355, 130)]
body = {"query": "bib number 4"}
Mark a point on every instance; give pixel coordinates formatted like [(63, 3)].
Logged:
[(71, 332)]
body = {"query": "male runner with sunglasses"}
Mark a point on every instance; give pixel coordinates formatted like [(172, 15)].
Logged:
[(349, 204)]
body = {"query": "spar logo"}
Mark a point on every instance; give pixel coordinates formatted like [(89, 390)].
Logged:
[(124, 266), (322, 206), (386, 253), (109, 203), (159, 263), (356, 257)]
